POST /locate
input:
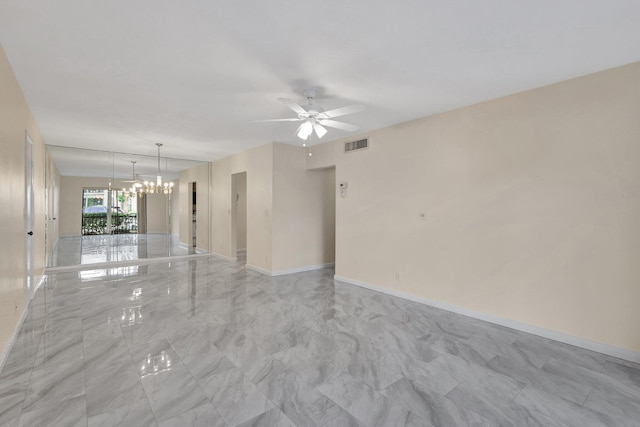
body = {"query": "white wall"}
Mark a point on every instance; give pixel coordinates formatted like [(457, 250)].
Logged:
[(531, 205)]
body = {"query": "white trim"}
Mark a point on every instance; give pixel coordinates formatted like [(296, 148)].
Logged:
[(290, 271), (115, 264), (14, 335), (621, 353), (16, 330), (224, 257), (302, 269), (258, 269)]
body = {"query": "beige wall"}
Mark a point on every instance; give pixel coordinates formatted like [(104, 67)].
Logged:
[(15, 119), (157, 213), (239, 208), (258, 164), (176, 207), (530, 202), (290, 211), (199, 175), (53, 205), (303, 211)]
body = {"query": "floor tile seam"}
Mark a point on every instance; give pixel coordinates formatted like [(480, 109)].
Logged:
[(584, 402), (336, 415), (281, 412), (341, 407), (592, 411), (513, 400), (31, 369), (48, 389), (595, 383), (426, 385), (24, 397), (245, 377), (556, 381), (196, 382), (133, 363), (39, 407), (216, 375), (575, 405)]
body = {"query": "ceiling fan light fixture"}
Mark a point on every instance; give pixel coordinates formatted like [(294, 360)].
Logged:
[(305, 130), (320, 130)]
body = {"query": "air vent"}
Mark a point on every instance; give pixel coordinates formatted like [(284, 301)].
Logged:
[(356, 145)]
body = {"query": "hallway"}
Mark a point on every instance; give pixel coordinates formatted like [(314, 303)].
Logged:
[(206, 342)]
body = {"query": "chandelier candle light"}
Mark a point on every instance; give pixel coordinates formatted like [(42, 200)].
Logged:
[(136, 187), (158, 186)]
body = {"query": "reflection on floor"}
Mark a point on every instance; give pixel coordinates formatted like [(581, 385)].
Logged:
[(207, 342), (83, 250)]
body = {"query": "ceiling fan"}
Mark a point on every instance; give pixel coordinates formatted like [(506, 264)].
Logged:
[(134, 178), (314, 118)]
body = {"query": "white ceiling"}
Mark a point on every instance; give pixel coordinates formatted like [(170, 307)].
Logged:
[(121, 75)]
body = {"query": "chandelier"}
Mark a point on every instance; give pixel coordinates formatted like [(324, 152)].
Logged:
[(151, 187), (136, 186)]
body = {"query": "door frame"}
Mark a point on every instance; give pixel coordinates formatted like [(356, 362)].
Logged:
[(29, 194)]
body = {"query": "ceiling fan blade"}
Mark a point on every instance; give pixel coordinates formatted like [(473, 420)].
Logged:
[(320, 130), (343, 111), (295, 107), (338, 125), (277, 120)]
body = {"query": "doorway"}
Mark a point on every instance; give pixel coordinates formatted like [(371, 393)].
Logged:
[(51, 225), (193, 208), (107, 211), (239, 216)]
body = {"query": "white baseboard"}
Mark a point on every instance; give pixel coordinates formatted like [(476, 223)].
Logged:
[(621, 353), (302, 269), (224, 257), (16, 329), (258, 269), (290, 271)]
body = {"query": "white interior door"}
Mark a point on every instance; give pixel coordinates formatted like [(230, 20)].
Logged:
[(28, 216)]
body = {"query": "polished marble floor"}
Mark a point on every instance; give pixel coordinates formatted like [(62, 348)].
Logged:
[(83, 250), (208, 343)]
